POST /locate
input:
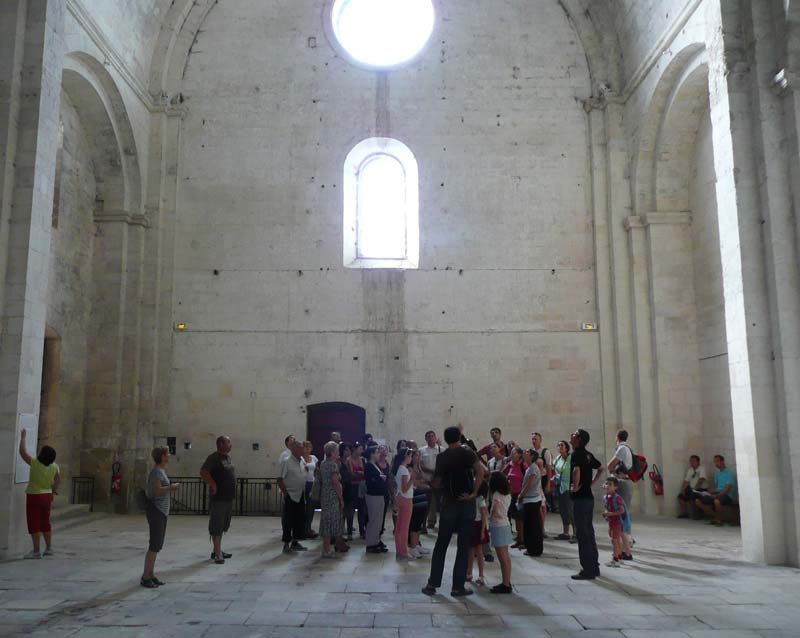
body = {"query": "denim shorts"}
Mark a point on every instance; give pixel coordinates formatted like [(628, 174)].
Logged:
[(501, 536)]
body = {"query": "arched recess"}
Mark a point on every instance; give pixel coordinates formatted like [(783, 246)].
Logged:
[(643, 178), (97, 100)]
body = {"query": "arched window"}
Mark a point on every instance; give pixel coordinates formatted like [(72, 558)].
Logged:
[(381, 205)]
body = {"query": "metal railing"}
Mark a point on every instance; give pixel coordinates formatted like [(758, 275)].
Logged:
[(83, 491), (254, 496)]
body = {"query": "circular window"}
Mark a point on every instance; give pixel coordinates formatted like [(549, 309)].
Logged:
[(382, 33)]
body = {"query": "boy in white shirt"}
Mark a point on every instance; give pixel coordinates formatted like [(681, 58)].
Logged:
[(694, 481)]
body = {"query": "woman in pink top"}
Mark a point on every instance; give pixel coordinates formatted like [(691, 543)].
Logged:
[(358, 487), (515, 471)]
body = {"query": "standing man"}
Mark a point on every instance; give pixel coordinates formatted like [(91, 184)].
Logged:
[(428, 456), (287, 452), (486, 452), (619, 466), (219, 475), (584, 466), (458, 477), (547, 471), (292, 484)]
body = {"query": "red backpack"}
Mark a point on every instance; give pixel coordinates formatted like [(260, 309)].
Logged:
[(636, 473)]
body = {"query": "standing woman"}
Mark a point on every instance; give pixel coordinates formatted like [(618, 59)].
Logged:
[(419, 509), (158, 491), (515, 471), (563, 469), (331, 498), (357, 487), (42, 484), (386, 468), (531, 497), (345, 451), (308, 462), (377, 489), (404, 501)]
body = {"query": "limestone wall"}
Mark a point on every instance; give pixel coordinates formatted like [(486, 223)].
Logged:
[(486, 331)]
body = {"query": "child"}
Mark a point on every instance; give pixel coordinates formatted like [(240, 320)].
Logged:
[(614, 511), (480, 534), (500, 528)]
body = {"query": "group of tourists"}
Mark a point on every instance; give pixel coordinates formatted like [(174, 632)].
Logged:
[(493, 499)]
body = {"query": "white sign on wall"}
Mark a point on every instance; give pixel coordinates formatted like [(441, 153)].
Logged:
[(29, 423)]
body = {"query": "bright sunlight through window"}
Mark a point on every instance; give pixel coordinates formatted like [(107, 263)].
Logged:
[(381, 206), (382, 33)]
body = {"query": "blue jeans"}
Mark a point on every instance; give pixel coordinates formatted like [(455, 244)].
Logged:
[(454, 518), (582, 512)]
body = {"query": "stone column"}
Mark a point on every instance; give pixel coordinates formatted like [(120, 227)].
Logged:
[(641, 317), (111, 424), (676, 368), (30, 92), (747, 307)]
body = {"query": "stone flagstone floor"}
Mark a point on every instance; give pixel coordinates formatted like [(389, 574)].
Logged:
[(687, 580)]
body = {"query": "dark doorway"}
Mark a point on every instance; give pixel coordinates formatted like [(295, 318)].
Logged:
[(324, 418)]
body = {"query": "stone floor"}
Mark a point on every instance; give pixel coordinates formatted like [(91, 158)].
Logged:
[(687, 580)]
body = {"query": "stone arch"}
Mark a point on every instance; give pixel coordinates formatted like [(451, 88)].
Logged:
[(652, 131), (183, 19), (99, 104), (686, 104)]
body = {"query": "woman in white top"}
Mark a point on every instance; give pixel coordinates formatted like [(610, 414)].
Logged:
[(308, 463), (531, 496), (404, 501)]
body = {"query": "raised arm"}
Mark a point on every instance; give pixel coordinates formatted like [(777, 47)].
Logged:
[(56, 482), (23, 451)]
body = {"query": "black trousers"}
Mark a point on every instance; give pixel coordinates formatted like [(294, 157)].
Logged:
[(582, 512), (454, 518), (293, 519), (533, 532)]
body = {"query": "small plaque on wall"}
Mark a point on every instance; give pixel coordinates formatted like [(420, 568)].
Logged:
[(29, 423)]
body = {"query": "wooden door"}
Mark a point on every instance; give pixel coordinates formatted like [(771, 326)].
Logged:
[(324, 418)]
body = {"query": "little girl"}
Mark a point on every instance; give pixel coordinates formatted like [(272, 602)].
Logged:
[(500, 528), (480, 534), (614, 511)]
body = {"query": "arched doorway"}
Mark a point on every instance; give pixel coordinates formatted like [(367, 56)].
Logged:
[(324, 418)]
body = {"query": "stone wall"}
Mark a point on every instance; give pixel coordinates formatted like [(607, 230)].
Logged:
[(69, 283), (487, 331)]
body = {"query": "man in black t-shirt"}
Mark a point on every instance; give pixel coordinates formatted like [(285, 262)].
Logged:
[(586, 470), (219, 475), (458, 475)]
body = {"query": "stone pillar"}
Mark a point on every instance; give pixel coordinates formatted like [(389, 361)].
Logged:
[(641, 314), (747, 307), (112, 400), (31, 56), (675, 362)]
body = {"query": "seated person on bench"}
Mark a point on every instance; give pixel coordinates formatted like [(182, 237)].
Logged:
[(693, 482), (712, 503)]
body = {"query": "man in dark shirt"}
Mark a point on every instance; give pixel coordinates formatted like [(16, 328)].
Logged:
[(458, 476), (486, 452), (584, 466), (219, 475)]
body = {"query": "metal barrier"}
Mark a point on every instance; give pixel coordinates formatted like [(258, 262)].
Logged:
[(254, 496), (83, 491)]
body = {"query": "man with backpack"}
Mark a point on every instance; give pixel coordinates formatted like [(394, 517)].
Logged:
[(457, 478), (619, 466)]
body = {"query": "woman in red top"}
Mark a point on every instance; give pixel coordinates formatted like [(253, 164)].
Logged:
[(357, 487), (515, 470)]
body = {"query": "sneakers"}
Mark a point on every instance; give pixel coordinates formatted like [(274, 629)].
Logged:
[(297, 547), (287, 549), (48, 552), (459, 593), (158, 582), (501, 589), (480, 582), (407, 559), (224, 555), (32, 554), (423, 551), (627, 557), (429, 590), (614, 562), (584, 576), (413, 552)]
